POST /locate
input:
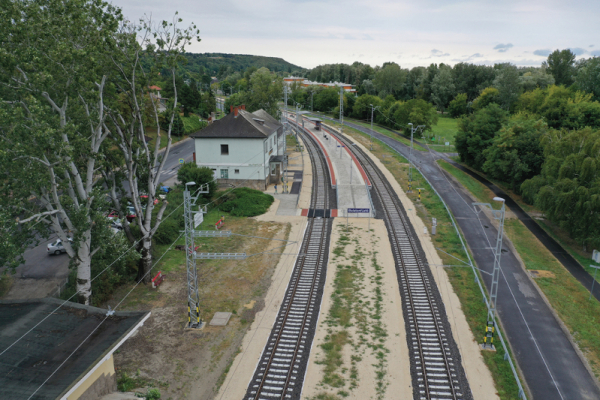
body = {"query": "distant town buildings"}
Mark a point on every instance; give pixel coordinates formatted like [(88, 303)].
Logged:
[(305, 83)]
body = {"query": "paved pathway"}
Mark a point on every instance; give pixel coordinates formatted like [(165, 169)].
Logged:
[(544, 353)]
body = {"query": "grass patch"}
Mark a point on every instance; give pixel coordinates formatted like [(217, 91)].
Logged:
[(445, 130), (246, 202), (192, 124), (566, 295), (477, 189), (6, 283), (151, 133), (462, 279), (354, 320)]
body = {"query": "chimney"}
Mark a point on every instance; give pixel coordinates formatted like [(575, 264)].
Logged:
[(235, 111), (230, 109), (243, 106)]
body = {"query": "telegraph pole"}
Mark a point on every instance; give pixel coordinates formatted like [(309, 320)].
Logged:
[(410, 161), (498, 215), (341, 108), (372, 109), (284, 122), (190, 219)]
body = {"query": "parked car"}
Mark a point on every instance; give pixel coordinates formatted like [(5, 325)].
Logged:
[(145, 197), (131, 215), (165, 189), (57, 247), (113, 215)]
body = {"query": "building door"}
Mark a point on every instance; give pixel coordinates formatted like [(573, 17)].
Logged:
[(224, 174)]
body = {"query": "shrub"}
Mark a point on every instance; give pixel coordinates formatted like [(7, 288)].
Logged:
[(245, 202), (190, 172)]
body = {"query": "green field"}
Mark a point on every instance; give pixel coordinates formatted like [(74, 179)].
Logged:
[(445, 130)]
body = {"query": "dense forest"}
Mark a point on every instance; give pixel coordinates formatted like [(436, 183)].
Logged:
[(535, 129)]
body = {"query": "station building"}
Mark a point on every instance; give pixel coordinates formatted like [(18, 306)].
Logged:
[(242, 149)]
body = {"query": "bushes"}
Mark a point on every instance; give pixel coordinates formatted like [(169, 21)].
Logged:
[(190, 172), (245, 202)]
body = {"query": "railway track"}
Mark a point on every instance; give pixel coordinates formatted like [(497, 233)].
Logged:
[(436, 368), (280, 371)]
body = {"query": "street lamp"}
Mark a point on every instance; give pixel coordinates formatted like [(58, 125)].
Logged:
[(498, 215), (410, 163), (372, 109)]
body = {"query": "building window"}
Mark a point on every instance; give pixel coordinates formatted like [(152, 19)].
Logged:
[(224, 174), (237, 171), (224, 150)]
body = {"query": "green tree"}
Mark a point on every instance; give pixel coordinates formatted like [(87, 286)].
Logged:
[(476, 133), (190, 98), (56, 81), (417, 112), (458, 107), (568, 188), (264, 92), (390, 79), (507, 83), (561, 65), (588, 76), (190, 172), (175, 124), (535, 79), (362, 106), (326, 100), (488, 96), (516, 153), (472, 79), (442, 88)]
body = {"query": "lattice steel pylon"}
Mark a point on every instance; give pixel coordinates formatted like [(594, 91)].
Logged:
[(189, 217)]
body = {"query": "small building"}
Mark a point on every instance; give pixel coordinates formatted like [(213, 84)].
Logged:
[(242, 148), (68, 356)]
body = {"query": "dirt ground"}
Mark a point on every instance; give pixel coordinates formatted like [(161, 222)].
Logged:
[(188, 363), (244, 365), (374, 362), (478, 375)]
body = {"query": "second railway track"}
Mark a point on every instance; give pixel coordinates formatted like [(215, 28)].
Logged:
[(436, 368), (281, 368)]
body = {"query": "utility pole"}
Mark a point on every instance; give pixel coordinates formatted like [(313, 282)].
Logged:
[(341, 108), (498, 215), (372, 109), (284, 122), (311, 101), (191, 220), (410, 161)]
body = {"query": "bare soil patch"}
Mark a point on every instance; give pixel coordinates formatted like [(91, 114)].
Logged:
[(187, 363)]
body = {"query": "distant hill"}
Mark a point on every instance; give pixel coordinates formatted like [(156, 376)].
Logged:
[(211, 63)]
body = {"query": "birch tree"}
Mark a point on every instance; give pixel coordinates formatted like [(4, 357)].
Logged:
[(53, 86), (163, 44)]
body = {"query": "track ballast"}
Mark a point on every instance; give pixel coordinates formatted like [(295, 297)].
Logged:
[(282, 366), (436, 367)]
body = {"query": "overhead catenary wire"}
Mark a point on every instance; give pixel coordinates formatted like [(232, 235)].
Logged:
[(77, 292), (104, 319)]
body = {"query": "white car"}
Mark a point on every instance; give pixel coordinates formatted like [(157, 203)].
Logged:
[(57, 247)]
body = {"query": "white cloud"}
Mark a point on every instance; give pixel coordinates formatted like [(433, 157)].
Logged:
[(502, 48)]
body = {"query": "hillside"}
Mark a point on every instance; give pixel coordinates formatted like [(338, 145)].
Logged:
[(210, 63)]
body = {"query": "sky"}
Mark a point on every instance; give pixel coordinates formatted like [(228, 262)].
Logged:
[(411, 33)]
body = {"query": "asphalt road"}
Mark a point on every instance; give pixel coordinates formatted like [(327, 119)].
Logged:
[(548, 360), (41, 272)]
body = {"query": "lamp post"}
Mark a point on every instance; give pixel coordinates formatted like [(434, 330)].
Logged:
[(410, 162), (498, 215), (372, 109)]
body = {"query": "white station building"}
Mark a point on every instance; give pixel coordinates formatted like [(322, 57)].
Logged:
[(242, 148)]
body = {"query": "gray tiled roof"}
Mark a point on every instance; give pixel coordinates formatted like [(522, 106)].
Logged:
[(27, 364), (242, 126)]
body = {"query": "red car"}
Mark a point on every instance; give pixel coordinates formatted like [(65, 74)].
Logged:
[(145, 197)]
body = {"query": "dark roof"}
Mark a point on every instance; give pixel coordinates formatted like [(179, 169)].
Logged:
[(262, 114), (245, 125), (27, 364), (278, 159)]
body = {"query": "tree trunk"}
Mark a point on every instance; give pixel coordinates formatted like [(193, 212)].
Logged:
[(84, 270), (145, 263)]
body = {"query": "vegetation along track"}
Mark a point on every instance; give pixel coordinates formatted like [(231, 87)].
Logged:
[(436, 367), (282, 366)]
